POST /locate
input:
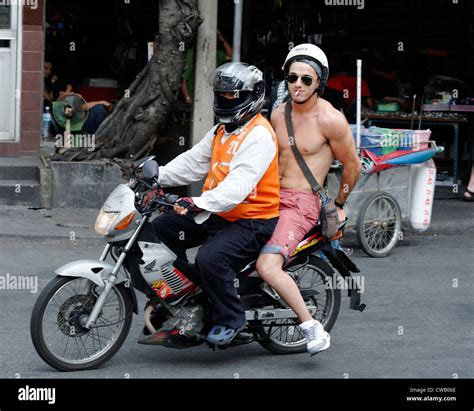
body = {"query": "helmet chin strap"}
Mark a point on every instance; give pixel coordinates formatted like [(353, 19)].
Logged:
[(230, 128)]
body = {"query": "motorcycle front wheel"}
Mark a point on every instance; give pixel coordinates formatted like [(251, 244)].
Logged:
[(283, 336), (56, 324)]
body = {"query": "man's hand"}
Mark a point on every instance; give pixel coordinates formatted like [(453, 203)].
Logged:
[(341, 214), (107, 104), (185, 204)]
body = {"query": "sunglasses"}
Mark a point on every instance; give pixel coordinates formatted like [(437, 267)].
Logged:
[(293, 78)]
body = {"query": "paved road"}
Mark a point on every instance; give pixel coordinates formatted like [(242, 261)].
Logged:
[(417, 324)]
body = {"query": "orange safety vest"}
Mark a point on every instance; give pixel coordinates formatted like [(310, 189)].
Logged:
[(264, 200)]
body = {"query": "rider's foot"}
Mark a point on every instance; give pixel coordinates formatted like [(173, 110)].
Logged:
[(317, 339), (222, 335)]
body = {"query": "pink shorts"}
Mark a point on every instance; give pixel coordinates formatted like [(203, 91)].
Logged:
[(299, 213)]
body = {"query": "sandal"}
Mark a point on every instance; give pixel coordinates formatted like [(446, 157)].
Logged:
[(222, 335), (471, 196)]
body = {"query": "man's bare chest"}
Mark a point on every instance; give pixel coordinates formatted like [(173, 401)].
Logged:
[(309, 140)]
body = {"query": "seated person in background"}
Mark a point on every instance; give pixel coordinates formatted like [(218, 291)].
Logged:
[(98, 110), (49, 79)]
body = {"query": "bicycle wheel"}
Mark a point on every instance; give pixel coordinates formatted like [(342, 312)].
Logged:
[(379, 224)]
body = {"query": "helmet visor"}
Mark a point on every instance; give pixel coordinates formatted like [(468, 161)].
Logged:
[(230, 103), (234, 77)]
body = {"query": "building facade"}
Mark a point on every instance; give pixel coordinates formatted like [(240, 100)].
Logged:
[(21, 77)]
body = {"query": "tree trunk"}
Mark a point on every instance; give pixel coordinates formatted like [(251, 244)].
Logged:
[(130, 131)]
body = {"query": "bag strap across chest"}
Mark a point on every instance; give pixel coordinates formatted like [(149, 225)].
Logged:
[(299, 158)]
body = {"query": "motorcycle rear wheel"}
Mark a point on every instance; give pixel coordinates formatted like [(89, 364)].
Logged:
[(283, 336), (56, 328)]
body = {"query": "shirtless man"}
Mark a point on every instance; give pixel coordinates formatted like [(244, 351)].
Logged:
[(322, 134)]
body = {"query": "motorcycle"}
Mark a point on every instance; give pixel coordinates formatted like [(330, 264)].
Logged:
[(83, 316)]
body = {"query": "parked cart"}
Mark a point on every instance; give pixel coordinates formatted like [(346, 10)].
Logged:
[(395, 192), (396, 189)]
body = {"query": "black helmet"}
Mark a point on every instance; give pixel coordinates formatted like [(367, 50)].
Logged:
[(246, 82)]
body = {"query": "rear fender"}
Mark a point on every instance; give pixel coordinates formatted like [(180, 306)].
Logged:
[(342, 263), (339, 260)]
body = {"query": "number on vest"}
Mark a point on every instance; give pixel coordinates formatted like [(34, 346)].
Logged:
[(234, 145)]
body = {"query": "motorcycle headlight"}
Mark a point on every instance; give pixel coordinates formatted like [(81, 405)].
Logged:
[(104, 221)]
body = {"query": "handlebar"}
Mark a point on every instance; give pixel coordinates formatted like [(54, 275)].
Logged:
[(168, 200)]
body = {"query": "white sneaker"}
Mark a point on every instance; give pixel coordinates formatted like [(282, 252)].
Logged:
[(317, 339)]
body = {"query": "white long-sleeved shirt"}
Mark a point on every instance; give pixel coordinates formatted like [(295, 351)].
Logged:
[(246, 169)]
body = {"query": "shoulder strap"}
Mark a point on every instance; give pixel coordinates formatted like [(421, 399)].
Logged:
[(299, 158)]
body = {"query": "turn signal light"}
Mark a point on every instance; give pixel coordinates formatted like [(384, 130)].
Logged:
[(125, 222)]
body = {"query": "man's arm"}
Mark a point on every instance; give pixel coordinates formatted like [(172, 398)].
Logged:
[(190, 166), (89, 105), (227, 47), (185, 91), (343, 146)]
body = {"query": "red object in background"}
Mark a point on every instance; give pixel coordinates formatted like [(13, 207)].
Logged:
[(98, 93), (343, 82)]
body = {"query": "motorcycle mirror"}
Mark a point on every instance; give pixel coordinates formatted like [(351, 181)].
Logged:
[(150, 171), (140, 163)]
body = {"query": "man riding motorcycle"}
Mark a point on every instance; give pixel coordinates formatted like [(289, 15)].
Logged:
[(322, 134), (239, 159)]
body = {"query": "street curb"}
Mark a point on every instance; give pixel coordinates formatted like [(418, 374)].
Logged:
[(27, 237)]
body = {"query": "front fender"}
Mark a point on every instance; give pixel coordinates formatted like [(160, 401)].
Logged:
[(90, 269), (94, 271)]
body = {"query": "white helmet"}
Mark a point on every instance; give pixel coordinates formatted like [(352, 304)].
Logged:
[(312, 54)]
